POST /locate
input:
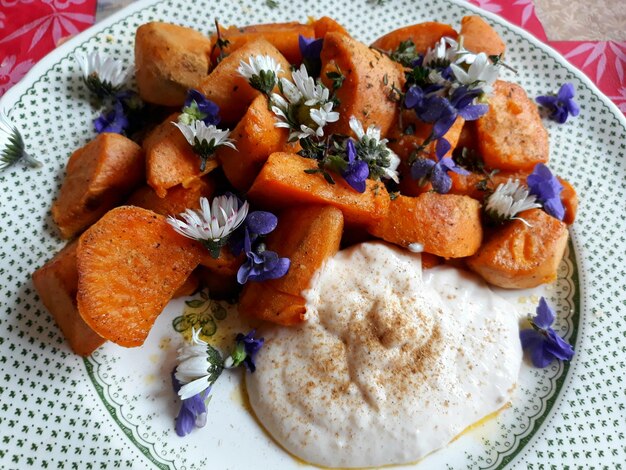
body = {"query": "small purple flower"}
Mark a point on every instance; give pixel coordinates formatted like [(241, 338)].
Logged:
[(311, 48), (357, 171), (462, 100), (431, 108), (436, 172), (261, 264), (199, 107), (256, 223), (114, 121), (246, 348), (192, 410), (561, 105), (542, 341), (543, 184)]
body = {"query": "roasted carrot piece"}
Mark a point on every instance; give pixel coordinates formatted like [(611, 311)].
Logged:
[(325, 25), (283, 36), (446, 225), (284, 183), (511, 135), (257, 137), (368, 89), (190, 285), (423, 35), (521, 255), (479, 36), (130, 264), (308, 235), (56, 283), (169, 60), (228, 89), (177, 199), (170, 160), (98, 177)]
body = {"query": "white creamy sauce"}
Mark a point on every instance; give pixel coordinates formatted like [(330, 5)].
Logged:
[(390, 366)]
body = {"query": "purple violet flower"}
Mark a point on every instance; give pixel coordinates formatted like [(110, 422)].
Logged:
[(431, 108), (543, 184), (114, 121), (199, 107), (356, 171), (261, 264), (462, 100), (542, 341), (426, 169), (256, 223), (561, 105), (246, 348), (311, 48), (192, 410)]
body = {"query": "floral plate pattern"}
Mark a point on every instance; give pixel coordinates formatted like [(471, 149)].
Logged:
[(116, 408)]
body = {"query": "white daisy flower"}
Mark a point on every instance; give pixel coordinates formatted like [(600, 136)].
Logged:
[(509, 199), (312, 93), (372, 149), (12, 148), (482, 73), (198, 368), (204, 139), (261, 71), (213, 223), (436, 53), (103, 75)]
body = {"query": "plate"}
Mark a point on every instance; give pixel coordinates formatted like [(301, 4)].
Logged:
[(116, 408)]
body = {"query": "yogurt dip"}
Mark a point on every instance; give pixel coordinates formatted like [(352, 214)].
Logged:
[(390, 365)]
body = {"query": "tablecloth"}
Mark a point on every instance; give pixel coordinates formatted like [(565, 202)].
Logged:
[(29, 29)]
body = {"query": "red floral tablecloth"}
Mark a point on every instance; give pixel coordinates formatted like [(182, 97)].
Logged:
[(29, 29)]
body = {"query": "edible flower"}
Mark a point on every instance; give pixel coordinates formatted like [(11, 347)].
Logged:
[(205, 139), (192, 410), (561, 105), (356, 171), (198, 107), (246, 348), (425, 169), (113, 121), (306, 107), (261, 71), (199, 366), (542, 341), (370, 148), (311, 48), (213, 223), (482, 73), (103, 75), (257, 223), (508, 200), (12, 148), (261, 264), (547, 188)]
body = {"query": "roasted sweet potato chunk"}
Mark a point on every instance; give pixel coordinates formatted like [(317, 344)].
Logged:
[(445, 224), (423, 35), (130, 264), (188, 287), (257, 137), (479, 36), (511, 135), (283, 183), (308, 235), (177, 199), (520, 255), (228, 89), (98, 177), (367, 91), (169, 60), (325, 25), (56, 283)]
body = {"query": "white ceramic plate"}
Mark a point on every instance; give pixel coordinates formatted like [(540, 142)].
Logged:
[(116, 408)]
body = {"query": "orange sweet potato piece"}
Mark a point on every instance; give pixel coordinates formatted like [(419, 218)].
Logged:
[(283, 183), (190, 285), (325, 25), (98, 177), (56, 283), (308, 236), (169, 60), (257, 137), (229, 90), (479, 36), (446, 225), (367, 91), (570, 201), (430, 261), (511, 135), (283, 36), (130, 264), (518, 256), (170, 160), (423, 35), (177, 199), (226, 263)]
